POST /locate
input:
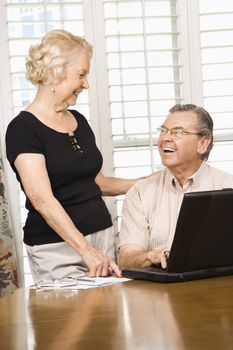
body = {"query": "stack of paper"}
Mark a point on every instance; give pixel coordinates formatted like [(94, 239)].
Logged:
[(78, 283)]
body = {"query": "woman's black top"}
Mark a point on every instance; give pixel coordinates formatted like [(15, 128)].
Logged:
[(72, 163)]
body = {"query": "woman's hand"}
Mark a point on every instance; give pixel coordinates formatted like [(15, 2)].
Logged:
[(99, 265)]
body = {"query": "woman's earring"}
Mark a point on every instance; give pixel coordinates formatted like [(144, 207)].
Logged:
[(53, 89)]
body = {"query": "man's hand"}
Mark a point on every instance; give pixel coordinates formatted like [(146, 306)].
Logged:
[(132, 255), (158, 257)]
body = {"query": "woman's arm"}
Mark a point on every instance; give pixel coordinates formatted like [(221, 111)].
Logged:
[(113, 186), (33, 174)]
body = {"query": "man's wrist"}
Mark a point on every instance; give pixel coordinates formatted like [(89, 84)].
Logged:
[(149, 257)]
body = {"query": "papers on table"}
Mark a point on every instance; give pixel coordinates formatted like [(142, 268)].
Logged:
[(78, 283)]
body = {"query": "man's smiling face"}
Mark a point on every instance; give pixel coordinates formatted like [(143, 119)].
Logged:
[(181, 153)]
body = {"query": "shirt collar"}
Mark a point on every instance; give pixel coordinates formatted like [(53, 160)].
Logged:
[(194, 179)]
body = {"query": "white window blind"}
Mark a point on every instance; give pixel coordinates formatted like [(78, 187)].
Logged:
[(216, 32), (144, 71), (27, 22)]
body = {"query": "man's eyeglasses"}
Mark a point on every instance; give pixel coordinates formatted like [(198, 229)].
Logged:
[(176, 132)]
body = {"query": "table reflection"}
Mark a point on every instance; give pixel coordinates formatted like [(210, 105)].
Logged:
[(148, 319), (71, 319), (134, 315), (119, 318)]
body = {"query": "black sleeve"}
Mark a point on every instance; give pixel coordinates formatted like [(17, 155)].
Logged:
[(22, 137)]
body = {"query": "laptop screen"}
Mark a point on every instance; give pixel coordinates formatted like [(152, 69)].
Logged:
[(204, 232)]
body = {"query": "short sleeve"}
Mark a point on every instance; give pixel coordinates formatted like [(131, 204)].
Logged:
[(134, 226), (22, 137)]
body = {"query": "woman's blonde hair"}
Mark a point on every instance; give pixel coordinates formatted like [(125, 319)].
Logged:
[(50, 57)]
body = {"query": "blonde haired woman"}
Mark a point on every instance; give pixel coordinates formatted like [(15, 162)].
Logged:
[(52, 150)]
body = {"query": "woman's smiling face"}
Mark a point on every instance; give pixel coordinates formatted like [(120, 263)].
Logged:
[(74, 81)]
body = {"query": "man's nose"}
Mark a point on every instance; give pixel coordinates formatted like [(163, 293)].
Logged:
[(168, 134)]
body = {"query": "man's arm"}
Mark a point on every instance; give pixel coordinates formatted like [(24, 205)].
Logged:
[(132, 255), (134, 237)]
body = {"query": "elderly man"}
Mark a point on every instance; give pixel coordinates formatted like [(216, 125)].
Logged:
[(152, 205)]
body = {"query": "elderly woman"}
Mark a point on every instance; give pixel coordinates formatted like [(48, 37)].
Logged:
[(52, 150)]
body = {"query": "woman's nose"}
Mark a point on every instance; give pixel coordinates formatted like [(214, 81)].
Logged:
[(85, 83)]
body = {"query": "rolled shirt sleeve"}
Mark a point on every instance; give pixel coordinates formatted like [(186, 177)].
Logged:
[(134, 225)]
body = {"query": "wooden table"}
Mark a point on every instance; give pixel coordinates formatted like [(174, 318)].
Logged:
[(131, 315)]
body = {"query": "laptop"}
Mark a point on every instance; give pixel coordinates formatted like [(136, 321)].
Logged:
[(203, 242)]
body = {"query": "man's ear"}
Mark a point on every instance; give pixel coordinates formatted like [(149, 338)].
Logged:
[(203, 144)]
